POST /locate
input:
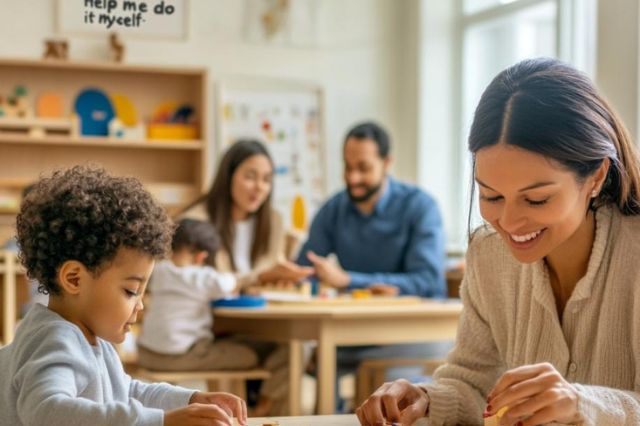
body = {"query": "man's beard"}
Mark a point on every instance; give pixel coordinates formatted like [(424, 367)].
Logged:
[(369, 193)]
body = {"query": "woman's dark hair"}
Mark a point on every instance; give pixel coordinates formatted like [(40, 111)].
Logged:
[(550, 108), (196, 235), (373, 131), (219, 202), (85, 214)]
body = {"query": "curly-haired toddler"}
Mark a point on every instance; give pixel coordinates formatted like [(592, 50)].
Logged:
[(91, 241)]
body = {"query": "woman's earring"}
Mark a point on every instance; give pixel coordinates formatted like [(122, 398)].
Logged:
[(594, 193)]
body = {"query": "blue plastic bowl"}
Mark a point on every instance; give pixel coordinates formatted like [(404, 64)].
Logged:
[(240, 302)]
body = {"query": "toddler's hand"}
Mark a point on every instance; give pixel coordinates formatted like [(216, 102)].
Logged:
[(231, 404), (197, 414)]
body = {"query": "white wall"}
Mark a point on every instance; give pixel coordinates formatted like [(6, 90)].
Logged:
[(357, 62), (617, 58)]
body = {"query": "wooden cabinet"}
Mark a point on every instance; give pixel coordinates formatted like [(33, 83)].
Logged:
[(175, 171)]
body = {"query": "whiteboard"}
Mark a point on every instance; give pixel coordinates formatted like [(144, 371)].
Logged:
[(288, 118), (163, 19)]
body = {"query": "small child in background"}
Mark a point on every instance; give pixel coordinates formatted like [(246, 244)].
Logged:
[(177, 329), (91, 240)]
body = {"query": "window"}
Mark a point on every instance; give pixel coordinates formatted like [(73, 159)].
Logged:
[(498, 33)]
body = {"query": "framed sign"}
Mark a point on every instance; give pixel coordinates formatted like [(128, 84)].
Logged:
[(288, 118), (157, 19)]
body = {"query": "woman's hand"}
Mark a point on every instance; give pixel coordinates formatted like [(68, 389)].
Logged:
[(535, 394), (197, 415), (285, 271), (395, 402), (231, 404)]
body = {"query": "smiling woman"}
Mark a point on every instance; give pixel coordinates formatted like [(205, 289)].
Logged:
[(536, 204), (239, 206), (551, 282)]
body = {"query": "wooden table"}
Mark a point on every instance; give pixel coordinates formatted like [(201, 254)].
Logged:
[(347, 420), (333, 326)]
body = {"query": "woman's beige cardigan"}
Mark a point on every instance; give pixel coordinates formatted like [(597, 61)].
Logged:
[(510, 319)]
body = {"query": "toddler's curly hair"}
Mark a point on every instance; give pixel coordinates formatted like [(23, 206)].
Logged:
[(85, 214)]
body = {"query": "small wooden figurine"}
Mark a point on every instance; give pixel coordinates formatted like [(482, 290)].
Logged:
[(56, 49), (117, 48)]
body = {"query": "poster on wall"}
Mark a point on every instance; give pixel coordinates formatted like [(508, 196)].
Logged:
[(153, 19), (288, 119)]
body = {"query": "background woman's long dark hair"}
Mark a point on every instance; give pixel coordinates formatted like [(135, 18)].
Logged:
[(219, 203), (550, 108)]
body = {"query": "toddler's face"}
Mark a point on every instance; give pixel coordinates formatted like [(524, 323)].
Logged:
[(111, 302)]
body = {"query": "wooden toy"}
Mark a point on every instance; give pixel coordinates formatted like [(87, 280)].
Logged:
[(117, 129), (116, 47), (298, 214), (125, 125), (95, 111), (495, 419), (361, 293), (16, 104), (56, 49), (124, 109), (183, 114), (171, 120), (49, 105), (171, 131), (275, 18), (164, 112)]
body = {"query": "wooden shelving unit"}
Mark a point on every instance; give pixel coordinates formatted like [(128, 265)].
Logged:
[(174, 169), (85, 141)]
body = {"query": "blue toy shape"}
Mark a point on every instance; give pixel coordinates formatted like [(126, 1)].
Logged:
[(240, 302), (182, 114), (95, 110)]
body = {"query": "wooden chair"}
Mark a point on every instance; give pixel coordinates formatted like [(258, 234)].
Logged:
[(232, 381), (371, 373), (454, 279)]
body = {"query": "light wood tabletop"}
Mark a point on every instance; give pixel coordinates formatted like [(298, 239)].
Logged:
[(333, 326), (345, 420)]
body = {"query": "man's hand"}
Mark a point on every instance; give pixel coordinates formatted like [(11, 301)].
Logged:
[(328, 272), (380, 289)]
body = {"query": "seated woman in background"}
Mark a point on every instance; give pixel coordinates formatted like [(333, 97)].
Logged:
[(550, 322), (239, 206), (252, 245)]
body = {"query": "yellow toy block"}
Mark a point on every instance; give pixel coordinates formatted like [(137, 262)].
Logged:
[(171, 131), (495, 419)]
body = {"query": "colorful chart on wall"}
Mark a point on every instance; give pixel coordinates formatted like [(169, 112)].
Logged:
[(287, 118)]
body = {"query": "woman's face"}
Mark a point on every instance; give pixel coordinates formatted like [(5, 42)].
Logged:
[(535, 204), (251, 184)]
